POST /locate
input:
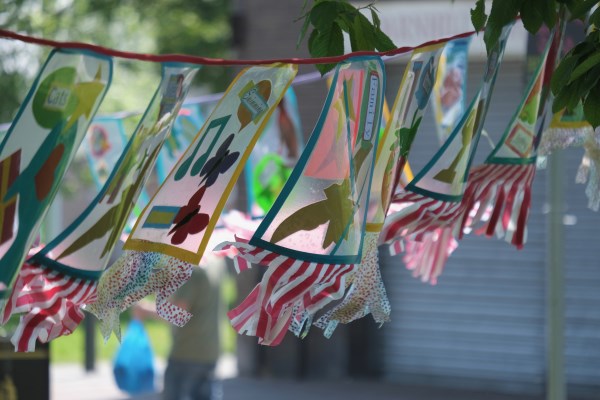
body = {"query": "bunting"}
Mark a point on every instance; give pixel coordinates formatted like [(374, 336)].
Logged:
[(367, 294), (450, 89), (57, 112), (61, 278), (498, 196), (313, 235), (431, 202), (103, 145), (174, 229), (570, 129), (315, 213)]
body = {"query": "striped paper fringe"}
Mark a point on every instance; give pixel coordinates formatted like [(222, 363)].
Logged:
[(420, 215), (290, 293), (135, 275), (51, 302), (498, 199), (396, 247), (367, 294), (427, 258), (424, 229)]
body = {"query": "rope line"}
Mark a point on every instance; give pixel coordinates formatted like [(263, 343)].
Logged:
[(188, 59)]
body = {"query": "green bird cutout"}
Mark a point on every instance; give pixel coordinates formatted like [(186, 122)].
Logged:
[(336, 209)]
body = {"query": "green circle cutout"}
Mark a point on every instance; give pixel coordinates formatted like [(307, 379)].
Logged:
[(54, 99)]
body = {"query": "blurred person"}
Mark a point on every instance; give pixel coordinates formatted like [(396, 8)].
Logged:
[(196, 347)]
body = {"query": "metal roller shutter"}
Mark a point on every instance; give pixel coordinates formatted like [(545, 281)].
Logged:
[(582, 287), (482, 326)]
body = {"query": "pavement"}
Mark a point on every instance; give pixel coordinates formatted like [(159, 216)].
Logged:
[(71, 382)]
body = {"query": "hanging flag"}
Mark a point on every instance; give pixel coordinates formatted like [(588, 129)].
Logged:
[(187, 124), (103, 145), (367, 293), (56, 112), (272, 159), (57, 281), (450, 88), (268, 168), (566, 129), (431, 201), (570, 129), (498, 195), (312, 237), (174, 229)]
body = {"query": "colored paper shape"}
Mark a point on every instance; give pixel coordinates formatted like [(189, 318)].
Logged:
[(213, 162)]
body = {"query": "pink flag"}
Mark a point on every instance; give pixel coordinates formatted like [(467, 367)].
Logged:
[(313, 236)]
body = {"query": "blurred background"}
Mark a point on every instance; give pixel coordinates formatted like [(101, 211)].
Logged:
[(481, 332)]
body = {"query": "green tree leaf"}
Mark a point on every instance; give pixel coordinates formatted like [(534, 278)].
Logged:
[(549, 12), (562, 73), (323, 14), (326, 43), (376, 20), (344, 22), (595, 17), (383, 42), (531, 15), (303, 30), (587, 64), (363, 33), (560, 100), (580, 8), (591, 106), (569, 96), (502, 13), (478, 15)]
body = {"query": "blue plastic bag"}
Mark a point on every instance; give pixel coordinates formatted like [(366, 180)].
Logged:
[(134, 363)]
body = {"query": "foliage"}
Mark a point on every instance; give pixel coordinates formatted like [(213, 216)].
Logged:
[(576, 79), (330, 18)]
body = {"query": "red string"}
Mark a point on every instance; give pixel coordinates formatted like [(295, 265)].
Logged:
[(183, 58)]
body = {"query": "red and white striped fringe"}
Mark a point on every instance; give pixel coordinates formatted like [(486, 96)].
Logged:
[(396, 247), (498, 199), (426, 228), (289, 294), (419, 216), (428, 257), (51, 302)]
